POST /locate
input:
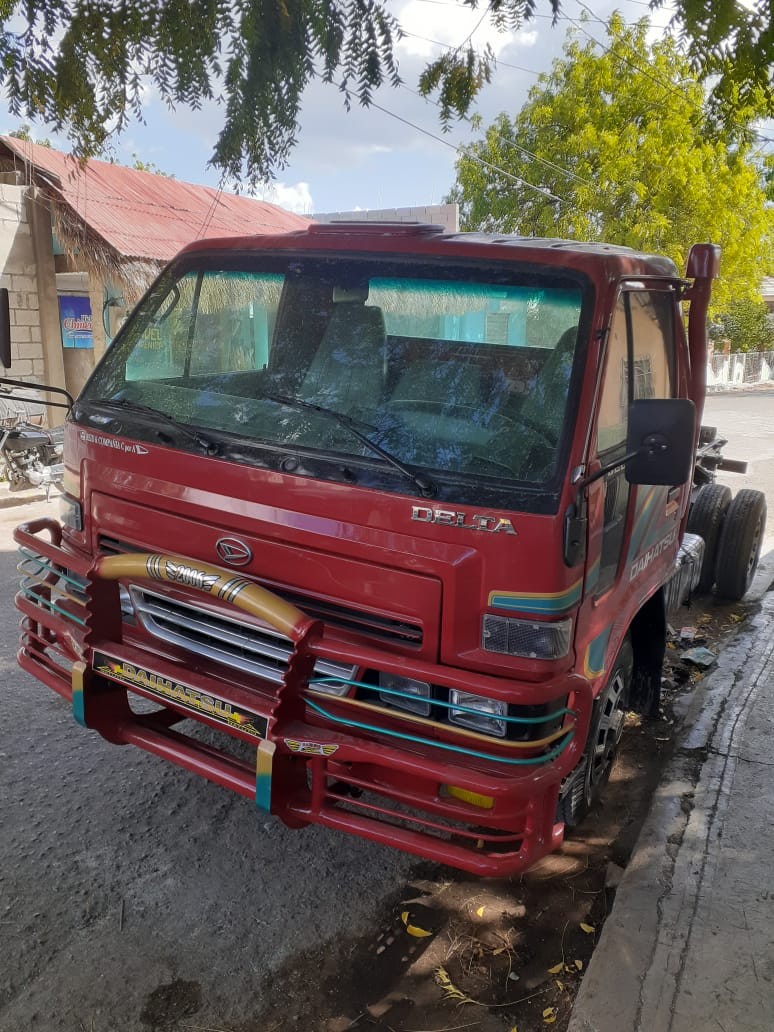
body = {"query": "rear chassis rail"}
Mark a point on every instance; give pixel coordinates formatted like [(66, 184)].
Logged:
[(385, 786), (709, 458)]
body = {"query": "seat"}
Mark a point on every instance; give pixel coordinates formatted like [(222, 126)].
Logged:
[(346, 373), (545, 405)]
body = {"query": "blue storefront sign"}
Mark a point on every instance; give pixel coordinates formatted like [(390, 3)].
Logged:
[(75, 319)]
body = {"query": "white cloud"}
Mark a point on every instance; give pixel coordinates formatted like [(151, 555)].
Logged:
[(448, 24), (525, 39), (297, 197)]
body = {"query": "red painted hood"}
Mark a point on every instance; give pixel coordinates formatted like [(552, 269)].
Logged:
[(350, 547)]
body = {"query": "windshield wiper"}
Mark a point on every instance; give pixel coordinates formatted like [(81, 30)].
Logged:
[(126, 405), (425, 484)]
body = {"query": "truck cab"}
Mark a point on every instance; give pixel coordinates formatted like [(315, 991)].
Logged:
[(375, 525)]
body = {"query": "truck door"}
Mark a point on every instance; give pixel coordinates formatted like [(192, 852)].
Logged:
[(639, 364)]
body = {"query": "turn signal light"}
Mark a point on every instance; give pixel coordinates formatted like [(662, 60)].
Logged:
[(531, 639)]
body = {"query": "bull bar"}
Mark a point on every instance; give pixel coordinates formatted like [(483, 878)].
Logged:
[(318, 759)]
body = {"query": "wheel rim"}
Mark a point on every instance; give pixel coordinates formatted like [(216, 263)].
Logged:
[(609, 729)]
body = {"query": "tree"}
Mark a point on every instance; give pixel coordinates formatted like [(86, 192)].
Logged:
[(24, 132), (149, 166), (619, 146), (80, 65), (747, 326)]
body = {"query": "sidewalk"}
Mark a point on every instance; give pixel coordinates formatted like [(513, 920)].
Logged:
[(689, 944)]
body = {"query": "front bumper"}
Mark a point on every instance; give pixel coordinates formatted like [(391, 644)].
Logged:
[(312, 758)]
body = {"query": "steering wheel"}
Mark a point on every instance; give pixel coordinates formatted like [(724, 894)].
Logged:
[(455, 411), (550, 436)]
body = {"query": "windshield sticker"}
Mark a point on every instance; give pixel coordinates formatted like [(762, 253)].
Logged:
[(112, 442), (184, 695)]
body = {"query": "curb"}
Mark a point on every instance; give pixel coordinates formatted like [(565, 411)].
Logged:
[(632, 980)]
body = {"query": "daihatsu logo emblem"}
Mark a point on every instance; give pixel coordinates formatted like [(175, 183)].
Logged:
[(234, 552)]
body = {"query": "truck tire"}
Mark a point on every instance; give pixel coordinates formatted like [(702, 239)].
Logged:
[(581, 788), (740, 544), (706, 519)]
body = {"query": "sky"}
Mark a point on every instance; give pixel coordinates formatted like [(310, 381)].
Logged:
[(368, 158)]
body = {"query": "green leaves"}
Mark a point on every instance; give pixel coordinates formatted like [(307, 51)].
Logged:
[(83, 66), (625, 138)]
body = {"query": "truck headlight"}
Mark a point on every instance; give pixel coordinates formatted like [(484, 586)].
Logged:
[(395, 689), (531, 639), (478, 712)]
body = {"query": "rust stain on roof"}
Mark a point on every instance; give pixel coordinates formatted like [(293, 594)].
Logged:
[(142, 215)]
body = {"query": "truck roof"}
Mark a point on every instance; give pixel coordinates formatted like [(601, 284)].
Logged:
[(427, 240)]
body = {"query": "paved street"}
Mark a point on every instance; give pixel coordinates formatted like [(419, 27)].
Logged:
[(120, 874), (747, 420)]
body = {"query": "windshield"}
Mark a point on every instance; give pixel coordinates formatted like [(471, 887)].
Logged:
[(462, 373)]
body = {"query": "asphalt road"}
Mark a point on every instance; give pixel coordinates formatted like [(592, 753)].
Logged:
[(121, 875), (747, 420)]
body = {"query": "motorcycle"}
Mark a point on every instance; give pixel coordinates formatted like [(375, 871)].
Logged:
[(30, 455)]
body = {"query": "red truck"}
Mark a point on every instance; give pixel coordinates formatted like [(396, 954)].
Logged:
[(379, 527)]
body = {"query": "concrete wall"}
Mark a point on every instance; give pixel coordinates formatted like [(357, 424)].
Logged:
[(18, 274), (446, 215)]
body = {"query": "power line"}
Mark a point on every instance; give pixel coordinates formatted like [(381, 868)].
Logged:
[(637, 68), (476, 157), (510, 143), (475, 28), (448, 46)]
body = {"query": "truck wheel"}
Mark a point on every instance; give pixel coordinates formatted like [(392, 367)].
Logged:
[(706, 519), (584, 785), (740, 544)]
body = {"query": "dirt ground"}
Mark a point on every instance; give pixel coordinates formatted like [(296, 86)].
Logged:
[(500, 955)]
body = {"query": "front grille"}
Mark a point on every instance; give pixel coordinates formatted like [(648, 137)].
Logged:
[(355, 621), (257, 650)]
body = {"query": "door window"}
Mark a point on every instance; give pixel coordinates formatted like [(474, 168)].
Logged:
[(640, 364)]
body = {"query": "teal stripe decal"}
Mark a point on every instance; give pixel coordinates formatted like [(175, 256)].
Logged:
[(534, 604), (440, 702), (545, 758), (79, 708)]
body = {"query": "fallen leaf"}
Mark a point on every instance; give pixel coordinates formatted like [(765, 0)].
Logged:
[(579, 965), (513, 1029), (555, 969), (480, 911), (587, 928), (559, 985), (450, 990), (415, 930), (550, 1015)]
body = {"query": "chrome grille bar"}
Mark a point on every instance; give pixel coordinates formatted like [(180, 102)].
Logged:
[(258, 650), (355, 621)]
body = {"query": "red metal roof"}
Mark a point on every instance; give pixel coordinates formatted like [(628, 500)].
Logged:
[(143, 215)]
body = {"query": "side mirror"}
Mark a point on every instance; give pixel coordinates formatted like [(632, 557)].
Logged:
[(5, 328), (660, 441)]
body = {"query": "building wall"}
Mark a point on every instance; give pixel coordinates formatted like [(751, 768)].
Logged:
[(18, 274), (446, 215)]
